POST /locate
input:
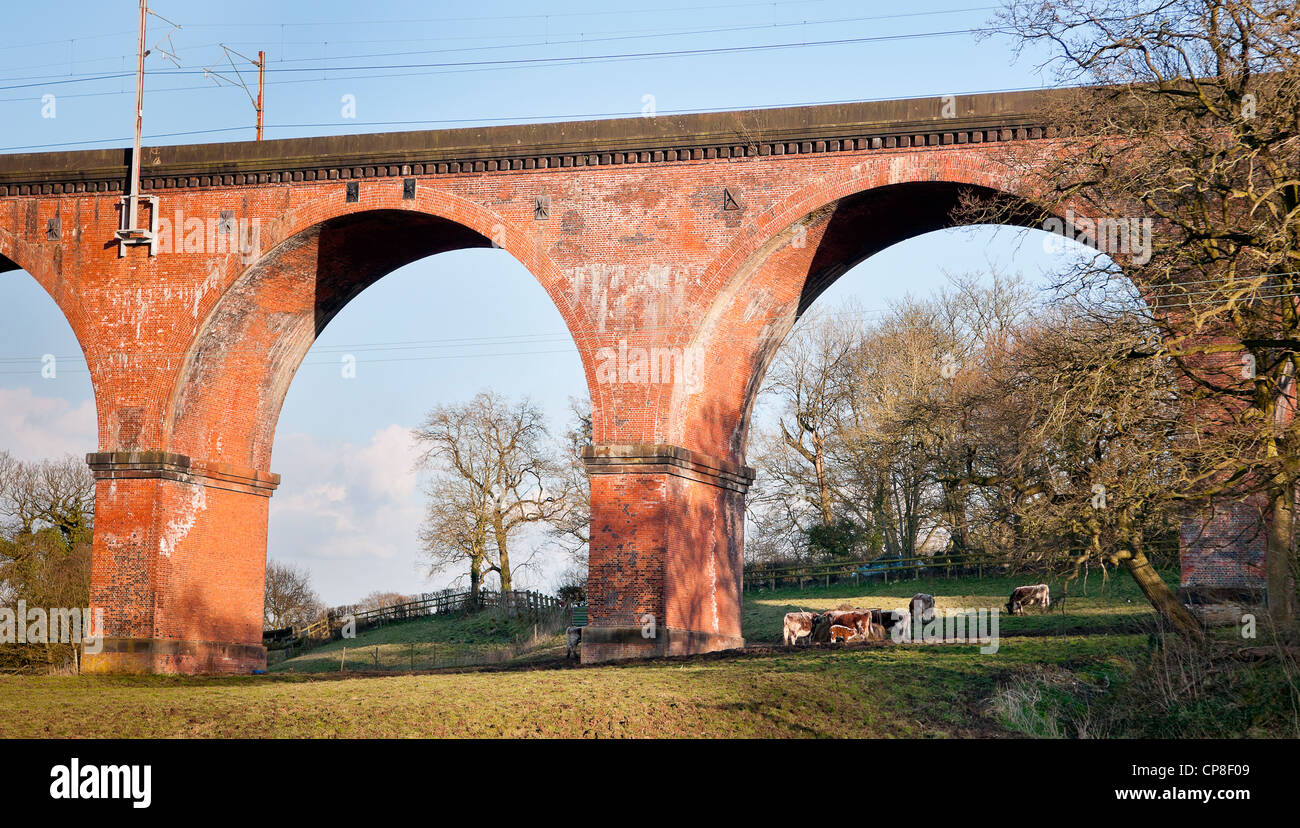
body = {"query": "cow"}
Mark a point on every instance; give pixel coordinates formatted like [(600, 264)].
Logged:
[(839, 632), (860, 621), (799, 625), (922, 606), (1023, 596), (573, 637)]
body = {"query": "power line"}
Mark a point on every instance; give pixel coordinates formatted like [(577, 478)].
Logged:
[(658, 10), (545, 61), (581, 39), (585, 40)]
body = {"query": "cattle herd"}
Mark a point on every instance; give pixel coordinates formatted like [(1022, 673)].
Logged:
[(845, 625), (841, 625)]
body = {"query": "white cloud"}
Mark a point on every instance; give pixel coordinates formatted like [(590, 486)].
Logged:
[(350, 513), (34, 427)]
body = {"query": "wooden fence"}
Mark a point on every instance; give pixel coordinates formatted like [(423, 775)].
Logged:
[(768, 576), (514, 603)]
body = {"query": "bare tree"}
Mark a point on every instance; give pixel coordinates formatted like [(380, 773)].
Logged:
[(493, 473), (1095, 458), (808, 378), (380, 599), (1197, 125), (897, 369), (46, 521), (571, 527), (290, 599), (47, 515)]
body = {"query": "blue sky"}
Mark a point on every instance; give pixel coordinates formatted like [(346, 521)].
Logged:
[(349, 505)]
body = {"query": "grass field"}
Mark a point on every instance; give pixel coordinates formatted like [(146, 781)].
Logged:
[(872, 691), (430, 643), (1088, 671)]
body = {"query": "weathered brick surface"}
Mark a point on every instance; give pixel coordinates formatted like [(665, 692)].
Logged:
[(192, 351), (1223, 546)]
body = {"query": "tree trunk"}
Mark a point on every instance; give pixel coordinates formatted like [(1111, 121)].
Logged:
[(503, 556), (823, 489), (1160, 595), (475, 579), (1277, 563)]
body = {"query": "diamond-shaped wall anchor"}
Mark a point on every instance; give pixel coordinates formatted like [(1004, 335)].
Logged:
[(408, 189), (354, 192), (226, 224), (730, 199), (54, 229), (542, 208)]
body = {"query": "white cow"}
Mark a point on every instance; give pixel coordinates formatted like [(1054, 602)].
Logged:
[(1023, 596), (921, 604), (798, 625)]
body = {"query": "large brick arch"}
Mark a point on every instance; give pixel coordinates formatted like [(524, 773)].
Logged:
[(663, 242), (775, 268), (230, 388)]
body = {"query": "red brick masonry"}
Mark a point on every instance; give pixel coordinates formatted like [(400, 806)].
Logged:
[(693, 239)]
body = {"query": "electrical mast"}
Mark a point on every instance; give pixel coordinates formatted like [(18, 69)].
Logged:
[(130, 231)]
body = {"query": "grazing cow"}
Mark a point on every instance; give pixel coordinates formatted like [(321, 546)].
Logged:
[(839, 632), (573, 637), (1023, 596), (799, 625), (921, 604)]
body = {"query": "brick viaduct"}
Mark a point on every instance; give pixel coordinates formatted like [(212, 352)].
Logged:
[(707, 234)]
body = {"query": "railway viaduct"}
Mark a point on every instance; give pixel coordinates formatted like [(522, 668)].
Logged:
[(679, 250)]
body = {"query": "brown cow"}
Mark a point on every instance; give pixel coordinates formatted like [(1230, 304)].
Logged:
[(839, 632), (799, 625), (1023, 596), (860, 621)]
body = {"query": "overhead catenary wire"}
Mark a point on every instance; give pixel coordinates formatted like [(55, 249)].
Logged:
[(538, 61), (580, 39)]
